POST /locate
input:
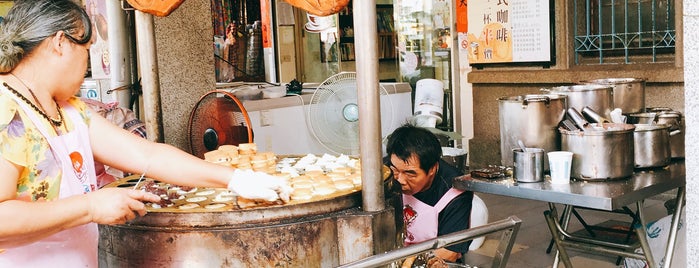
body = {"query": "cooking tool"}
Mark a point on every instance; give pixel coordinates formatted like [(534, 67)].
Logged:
[(577, 118), (531, 118), (528, 164), (592, 116), (651, 145), (629, 94), (521, 145), (597, 97), (141, 178), (569, 125), (603, 152)]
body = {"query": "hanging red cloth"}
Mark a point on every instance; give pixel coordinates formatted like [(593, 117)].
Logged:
[(160, 8)]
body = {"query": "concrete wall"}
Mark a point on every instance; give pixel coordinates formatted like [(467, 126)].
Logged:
[(186, 62)]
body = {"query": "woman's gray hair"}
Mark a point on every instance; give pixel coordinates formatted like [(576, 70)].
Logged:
[(29, 22)]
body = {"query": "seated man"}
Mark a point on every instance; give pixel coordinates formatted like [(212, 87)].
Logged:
[(431, 207)]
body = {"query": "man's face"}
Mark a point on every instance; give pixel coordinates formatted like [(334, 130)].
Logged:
[(411, 177)]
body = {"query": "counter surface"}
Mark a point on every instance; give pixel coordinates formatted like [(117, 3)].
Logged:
[(605, 195)]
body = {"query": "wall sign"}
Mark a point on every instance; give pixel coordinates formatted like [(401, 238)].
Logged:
[(505, 31)]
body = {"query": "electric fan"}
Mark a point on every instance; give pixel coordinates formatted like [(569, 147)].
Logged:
[(218, 118), (333, 113)]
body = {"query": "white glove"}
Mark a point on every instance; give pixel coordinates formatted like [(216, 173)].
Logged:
[(259, 186)]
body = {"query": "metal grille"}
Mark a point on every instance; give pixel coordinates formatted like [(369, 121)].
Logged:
[(623, 31)]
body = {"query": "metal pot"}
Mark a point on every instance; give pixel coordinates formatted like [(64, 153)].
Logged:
[(671, 118), (602, 152), (651, 145), (629, 93), (528, 165), (597, 97), (533, 119)]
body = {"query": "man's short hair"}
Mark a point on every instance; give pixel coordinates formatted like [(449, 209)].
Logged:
[(409, 139)]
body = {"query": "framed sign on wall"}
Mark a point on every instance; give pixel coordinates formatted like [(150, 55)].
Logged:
[(510, 31)]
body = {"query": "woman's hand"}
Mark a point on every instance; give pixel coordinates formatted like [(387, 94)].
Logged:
[(259, 186), (118, 205)]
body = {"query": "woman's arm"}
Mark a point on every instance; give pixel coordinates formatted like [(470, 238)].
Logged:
[(25, 222), (123, 150)]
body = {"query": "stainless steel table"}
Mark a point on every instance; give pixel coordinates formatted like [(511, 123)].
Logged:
[(602, 195)]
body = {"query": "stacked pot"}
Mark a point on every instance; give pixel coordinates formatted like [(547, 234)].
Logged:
[(603, 149), (664, 117)]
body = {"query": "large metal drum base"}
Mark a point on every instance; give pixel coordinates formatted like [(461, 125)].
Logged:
[(299, 244)]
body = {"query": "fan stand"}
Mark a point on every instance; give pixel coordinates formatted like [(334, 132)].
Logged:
[(218, 118)]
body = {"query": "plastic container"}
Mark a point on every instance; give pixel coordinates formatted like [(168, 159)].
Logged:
[(560, 163)]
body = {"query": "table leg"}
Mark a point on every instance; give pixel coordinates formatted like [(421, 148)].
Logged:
[(561, 253), (642, 238), (675, 226)]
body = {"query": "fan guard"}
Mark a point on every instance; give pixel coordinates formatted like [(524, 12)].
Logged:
[(333, 113), (218, 118)]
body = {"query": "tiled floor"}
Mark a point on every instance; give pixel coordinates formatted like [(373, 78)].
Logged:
[(533, 237)]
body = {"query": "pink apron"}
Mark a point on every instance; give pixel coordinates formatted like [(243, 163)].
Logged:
[(421, 220), (76, 247)]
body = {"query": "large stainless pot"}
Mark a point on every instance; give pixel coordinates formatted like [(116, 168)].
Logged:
[(602, 152), (533, 119), (597, 97), (671, 118), (651, 145), (629, 93)]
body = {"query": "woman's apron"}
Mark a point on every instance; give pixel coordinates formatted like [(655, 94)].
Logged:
[(422, 220), (75, 247)]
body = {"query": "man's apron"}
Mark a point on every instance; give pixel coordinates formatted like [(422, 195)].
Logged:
[(421, 220), (75, 247)]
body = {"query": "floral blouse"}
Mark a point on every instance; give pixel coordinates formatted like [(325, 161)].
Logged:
[(22, 144)]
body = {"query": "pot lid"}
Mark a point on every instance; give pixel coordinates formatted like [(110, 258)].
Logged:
[(578, 88)]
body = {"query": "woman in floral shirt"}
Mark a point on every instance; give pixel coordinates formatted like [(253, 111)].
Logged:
[(49, 202)]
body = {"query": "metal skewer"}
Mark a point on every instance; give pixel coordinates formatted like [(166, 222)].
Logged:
[(141, 178)]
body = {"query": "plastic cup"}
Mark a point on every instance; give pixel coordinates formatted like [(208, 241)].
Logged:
[(560, 163)]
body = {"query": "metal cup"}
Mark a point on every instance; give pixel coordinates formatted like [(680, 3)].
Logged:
[(528, 165)]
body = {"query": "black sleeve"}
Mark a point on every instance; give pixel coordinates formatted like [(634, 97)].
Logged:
[(456, 216)]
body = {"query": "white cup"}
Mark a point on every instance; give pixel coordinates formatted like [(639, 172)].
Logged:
[(560, 164)]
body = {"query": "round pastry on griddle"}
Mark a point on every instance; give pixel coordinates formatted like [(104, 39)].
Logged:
[(215, 206), (205, 192), (223, 198), (196, 199), (302, 194), (302, 184), (314, 173), (247, 148), (323, 189), (345, 184), (189, 206)]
